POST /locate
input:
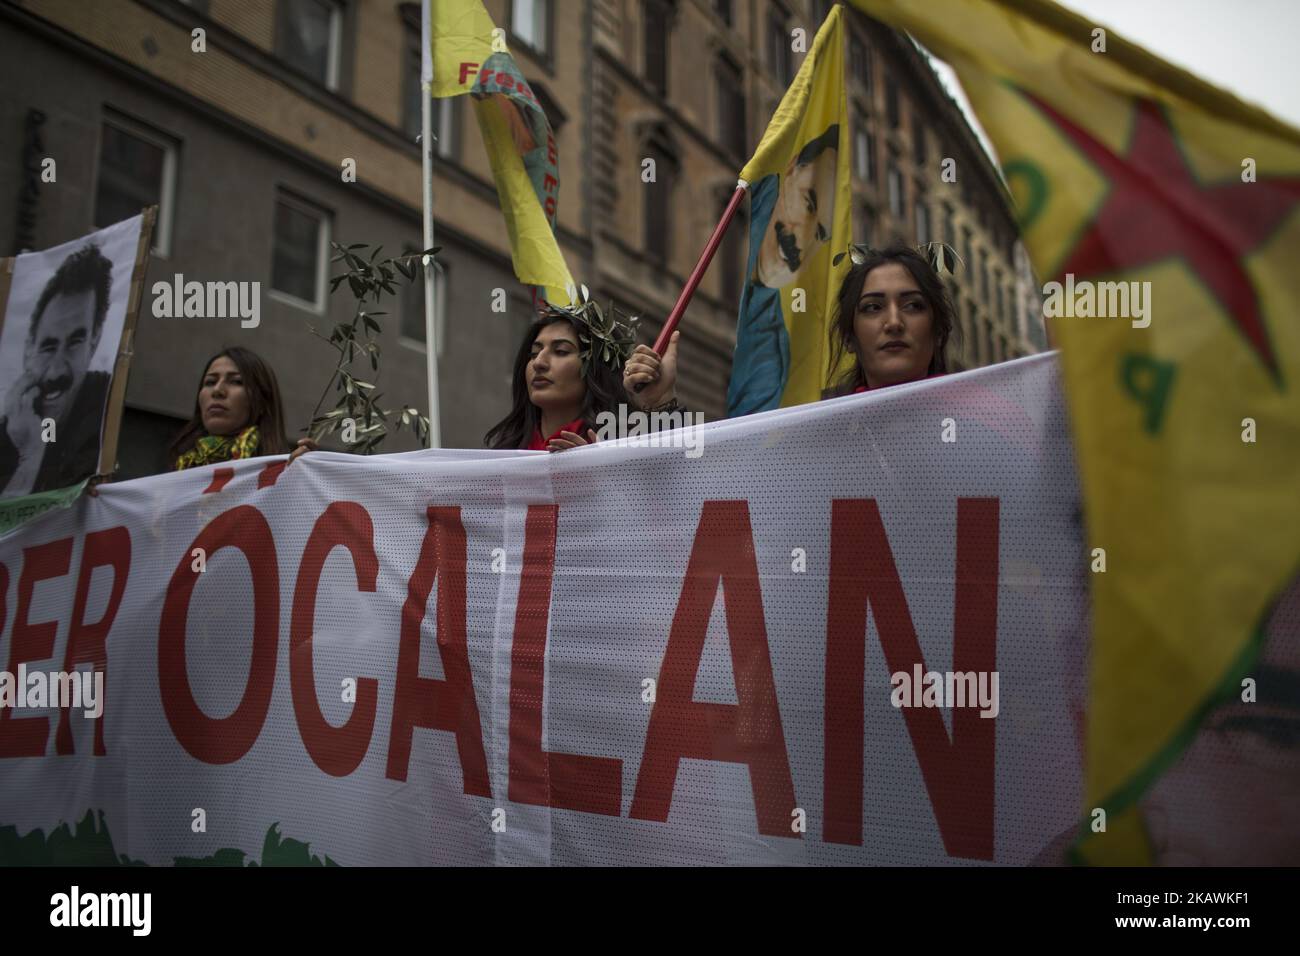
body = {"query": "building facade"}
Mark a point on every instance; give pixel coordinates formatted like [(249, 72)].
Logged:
[(240, 118)]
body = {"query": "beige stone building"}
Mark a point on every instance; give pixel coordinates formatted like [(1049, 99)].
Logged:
[(243, 143)]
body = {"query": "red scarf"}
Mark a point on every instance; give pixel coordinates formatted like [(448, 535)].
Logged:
[(539, 443)]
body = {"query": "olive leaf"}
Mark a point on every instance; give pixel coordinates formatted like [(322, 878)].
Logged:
[(368, 279)]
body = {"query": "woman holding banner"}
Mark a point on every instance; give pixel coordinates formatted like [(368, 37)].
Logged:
[(237, 413), (893, 316), (575, 363)]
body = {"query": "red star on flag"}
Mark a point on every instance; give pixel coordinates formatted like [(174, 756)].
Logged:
[(1156, 209)]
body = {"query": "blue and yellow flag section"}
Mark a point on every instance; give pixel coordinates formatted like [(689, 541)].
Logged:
[(470, 56), (1133, 176), (799, 218)]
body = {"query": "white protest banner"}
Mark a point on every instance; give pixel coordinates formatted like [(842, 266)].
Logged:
[(847, 632)]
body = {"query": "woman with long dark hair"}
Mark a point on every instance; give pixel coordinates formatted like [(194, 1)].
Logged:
[(237, 413), (572, 365), (893, 317)]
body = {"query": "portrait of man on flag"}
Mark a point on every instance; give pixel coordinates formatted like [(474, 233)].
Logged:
[(793, 215), (799, 205)]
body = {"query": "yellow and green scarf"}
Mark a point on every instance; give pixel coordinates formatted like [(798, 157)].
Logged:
[(213, 448)]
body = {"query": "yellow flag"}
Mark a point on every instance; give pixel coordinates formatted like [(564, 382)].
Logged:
[(469, 55), (800, 198), (1166, 214)]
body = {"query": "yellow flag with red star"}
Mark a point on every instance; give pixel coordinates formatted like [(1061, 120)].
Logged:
[(1165, 214)]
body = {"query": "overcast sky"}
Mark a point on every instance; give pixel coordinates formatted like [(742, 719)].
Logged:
[(1248, 47)]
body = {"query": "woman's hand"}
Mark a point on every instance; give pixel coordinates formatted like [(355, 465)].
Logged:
[(658, 374), (304, 445), (571, 440)]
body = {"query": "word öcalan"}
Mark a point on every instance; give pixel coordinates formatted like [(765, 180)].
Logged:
[(947, 689), (102, 909), (209, 300), (62, 689), (1101, 300)]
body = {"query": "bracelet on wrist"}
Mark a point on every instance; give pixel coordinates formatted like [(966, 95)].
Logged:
[(672, 405)]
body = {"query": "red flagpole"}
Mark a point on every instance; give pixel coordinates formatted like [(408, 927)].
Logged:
[(675, 316)]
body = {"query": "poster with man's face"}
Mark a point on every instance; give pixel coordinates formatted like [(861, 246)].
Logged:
[(59, 341), (802, 216), (793, 217)]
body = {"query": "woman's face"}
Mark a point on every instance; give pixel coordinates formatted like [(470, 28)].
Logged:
[(554, 373), (223, 402), (893, 327)]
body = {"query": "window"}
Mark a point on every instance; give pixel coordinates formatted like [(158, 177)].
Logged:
[(300, 252), (949, 227), (865, 230), (997, 285), (918, 140), (1037, 330), (446, 110), (896, 197), (733, 252), (446, 120), (779, 60), (137, 168), (984, 275), (864, 148), (723, 9), (987, 336), (968, 255), (656, 45), (971, 345), (554, 115), (658, 200), (308, 37), (412, 91), (731, 106), (922, 221), (892, 109), (530, 23), (412, 330), (859, 61)]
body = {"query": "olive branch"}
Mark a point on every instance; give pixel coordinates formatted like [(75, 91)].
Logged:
[(357, 406)]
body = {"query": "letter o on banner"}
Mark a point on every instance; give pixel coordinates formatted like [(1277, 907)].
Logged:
[(226, 739)]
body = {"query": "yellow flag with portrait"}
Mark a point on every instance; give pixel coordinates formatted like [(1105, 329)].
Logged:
[(800, 201)]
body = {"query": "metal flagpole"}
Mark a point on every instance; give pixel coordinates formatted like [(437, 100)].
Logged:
[(426, 143)]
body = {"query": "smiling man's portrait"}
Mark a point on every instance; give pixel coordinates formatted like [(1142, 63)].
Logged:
[(51, 413)]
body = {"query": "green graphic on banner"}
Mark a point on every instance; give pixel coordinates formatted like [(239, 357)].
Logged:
[(18, 511), (90, 844)]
